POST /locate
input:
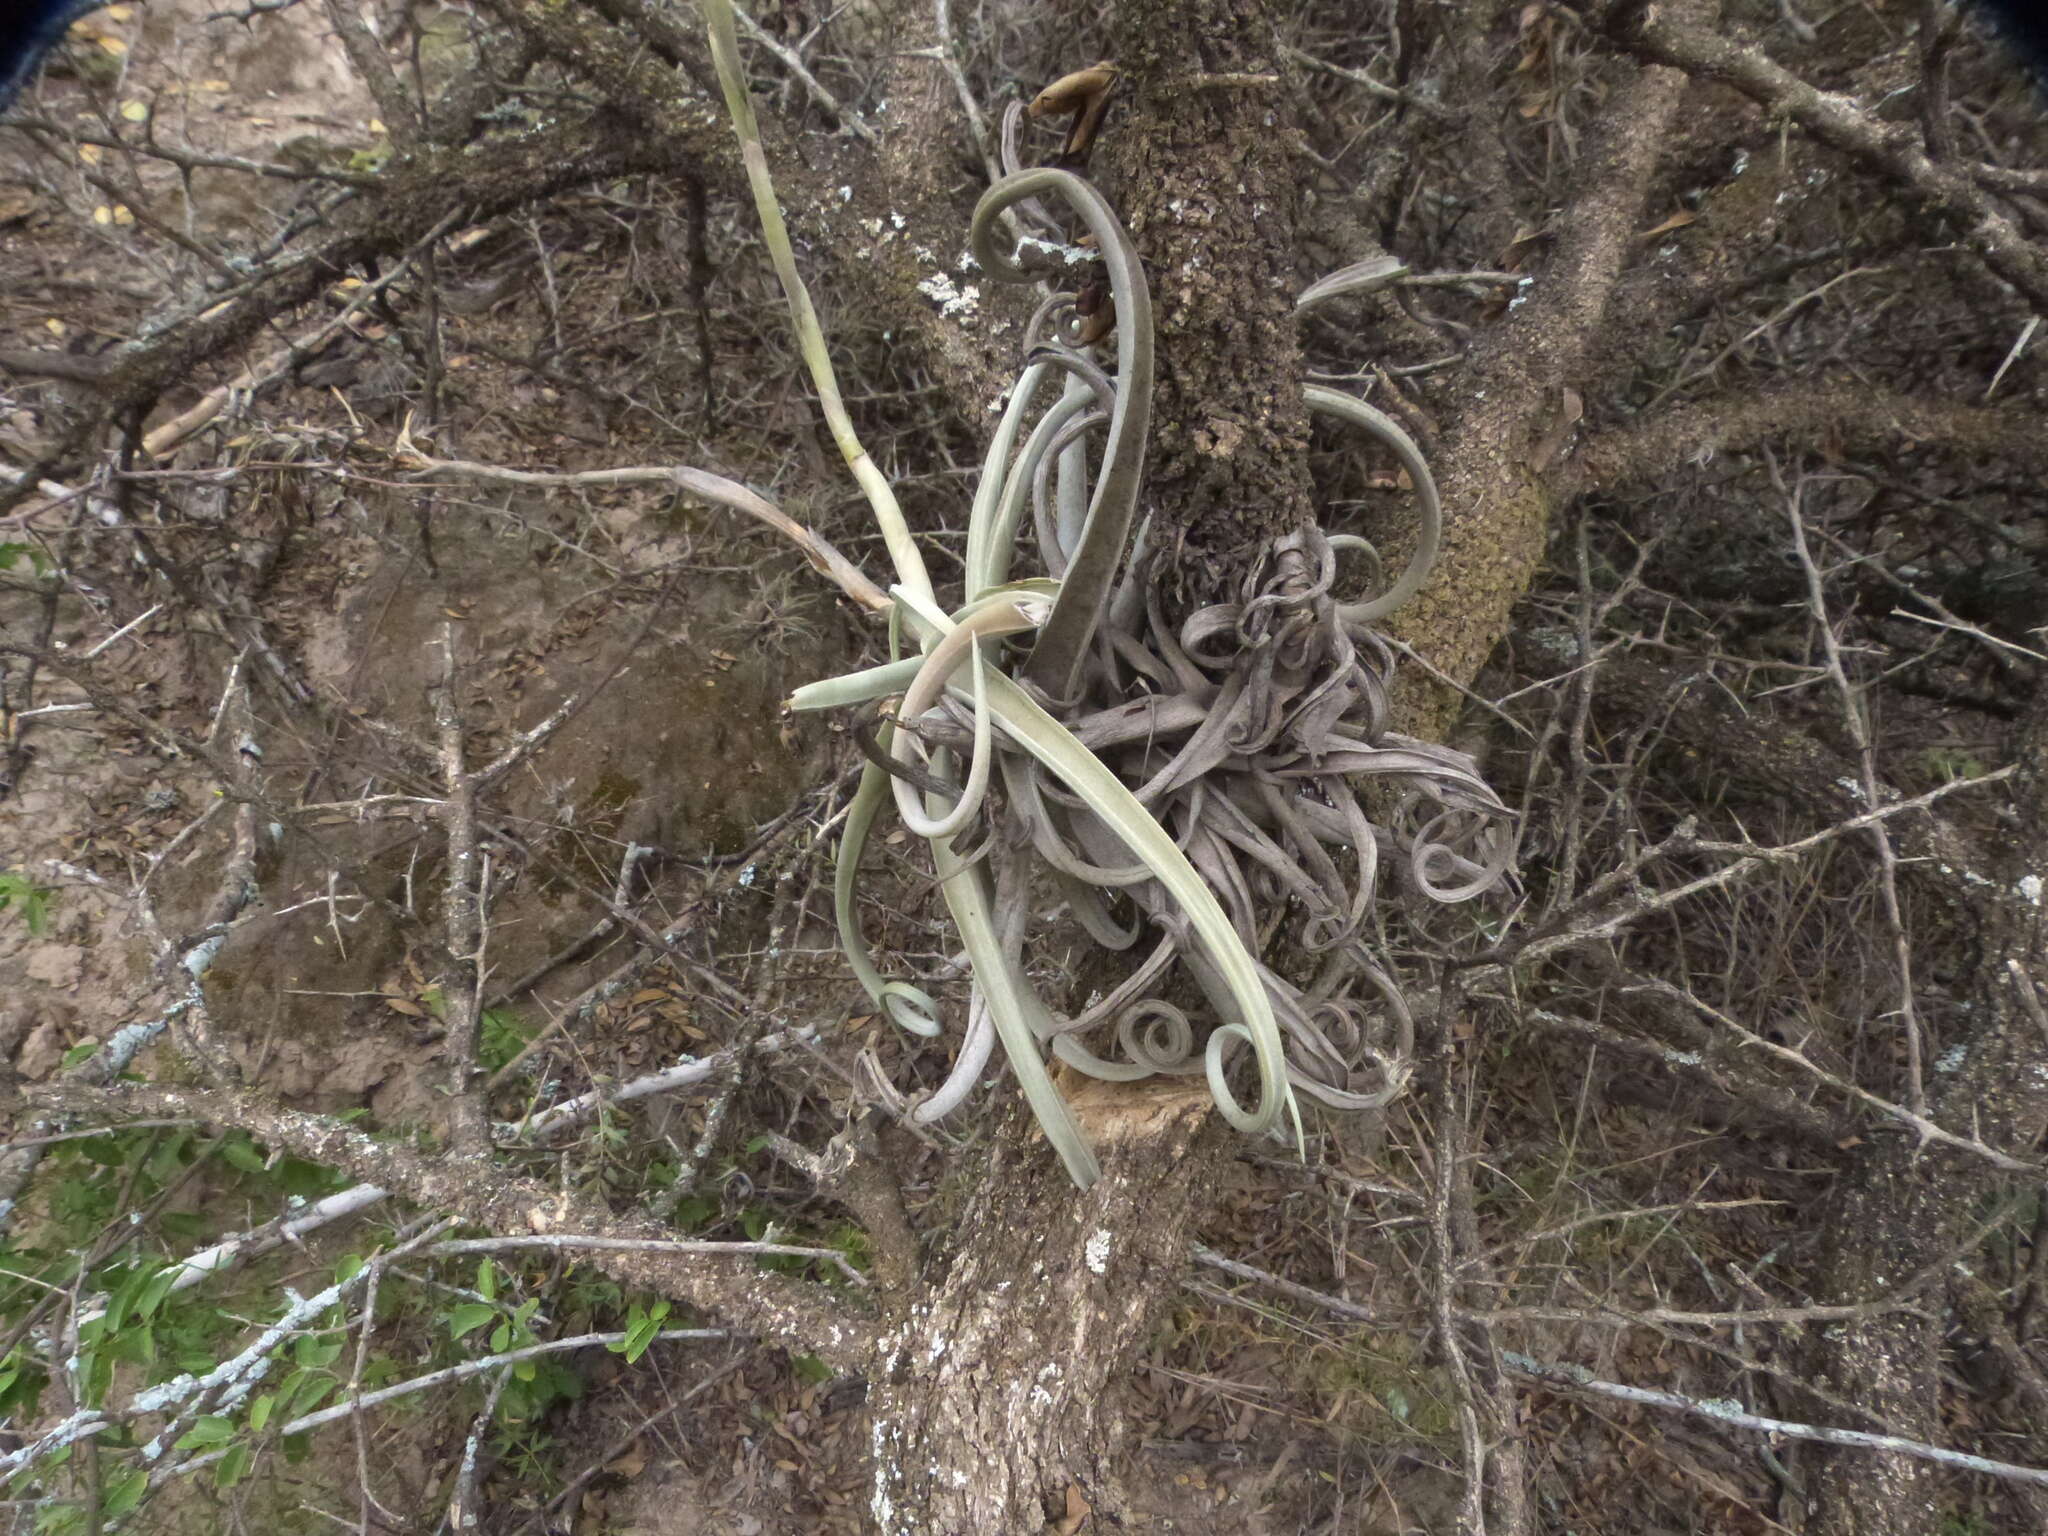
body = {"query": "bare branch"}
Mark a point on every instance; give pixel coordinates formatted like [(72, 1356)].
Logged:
[(1892, 150)]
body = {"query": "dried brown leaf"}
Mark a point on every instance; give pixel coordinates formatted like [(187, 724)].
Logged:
[(1074, 92)]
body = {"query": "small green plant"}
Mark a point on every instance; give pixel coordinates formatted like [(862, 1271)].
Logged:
[(642, 1324), (23, 896), (1945, 765), (12, 554), (501, 1036)]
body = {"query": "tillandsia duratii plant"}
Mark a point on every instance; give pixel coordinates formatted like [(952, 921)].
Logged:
[(1205, 775)]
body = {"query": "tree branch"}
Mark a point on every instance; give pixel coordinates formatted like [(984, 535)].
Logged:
[(1893, 150), (1856, 413), (482, 1193)]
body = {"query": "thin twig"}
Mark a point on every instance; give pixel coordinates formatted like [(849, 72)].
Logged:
[(1856, 720), (1731, 1413), (715, 489)]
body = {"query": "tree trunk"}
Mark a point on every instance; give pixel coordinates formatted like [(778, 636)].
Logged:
[(1198, 147), (994, 1404)]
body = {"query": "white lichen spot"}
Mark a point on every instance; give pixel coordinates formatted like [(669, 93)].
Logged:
[(1097, 1251), (1952, 1059), (2029, 887), (846, 194), (1066, 255), (1849, 787), (938, 1348), (882, 1506), (955, 302), (898, 220)]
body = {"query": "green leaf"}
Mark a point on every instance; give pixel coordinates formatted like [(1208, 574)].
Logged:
[(261, 1410), (232, 1467), (207, 1431), (693, 1212), (241, 1153), (30, 899), (315, 1350), (312, 1393), (12, 552), (307, 1180), (185, 1226), (84, 1051), (811, 1371), (99, 1379), (486, 1279), (124, 1492), (469, 1317), (501, 1035)]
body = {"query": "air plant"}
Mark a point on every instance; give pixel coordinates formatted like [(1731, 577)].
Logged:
[(1205, 774)]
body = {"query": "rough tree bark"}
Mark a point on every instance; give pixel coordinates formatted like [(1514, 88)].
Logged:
[(1500, 465), (1203, 179), (995, 1404)]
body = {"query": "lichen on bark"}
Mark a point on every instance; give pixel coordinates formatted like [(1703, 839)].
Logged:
[(1196, 157)]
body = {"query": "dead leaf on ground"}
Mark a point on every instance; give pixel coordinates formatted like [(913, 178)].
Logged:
[(631, 1464), (1678, 220)]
